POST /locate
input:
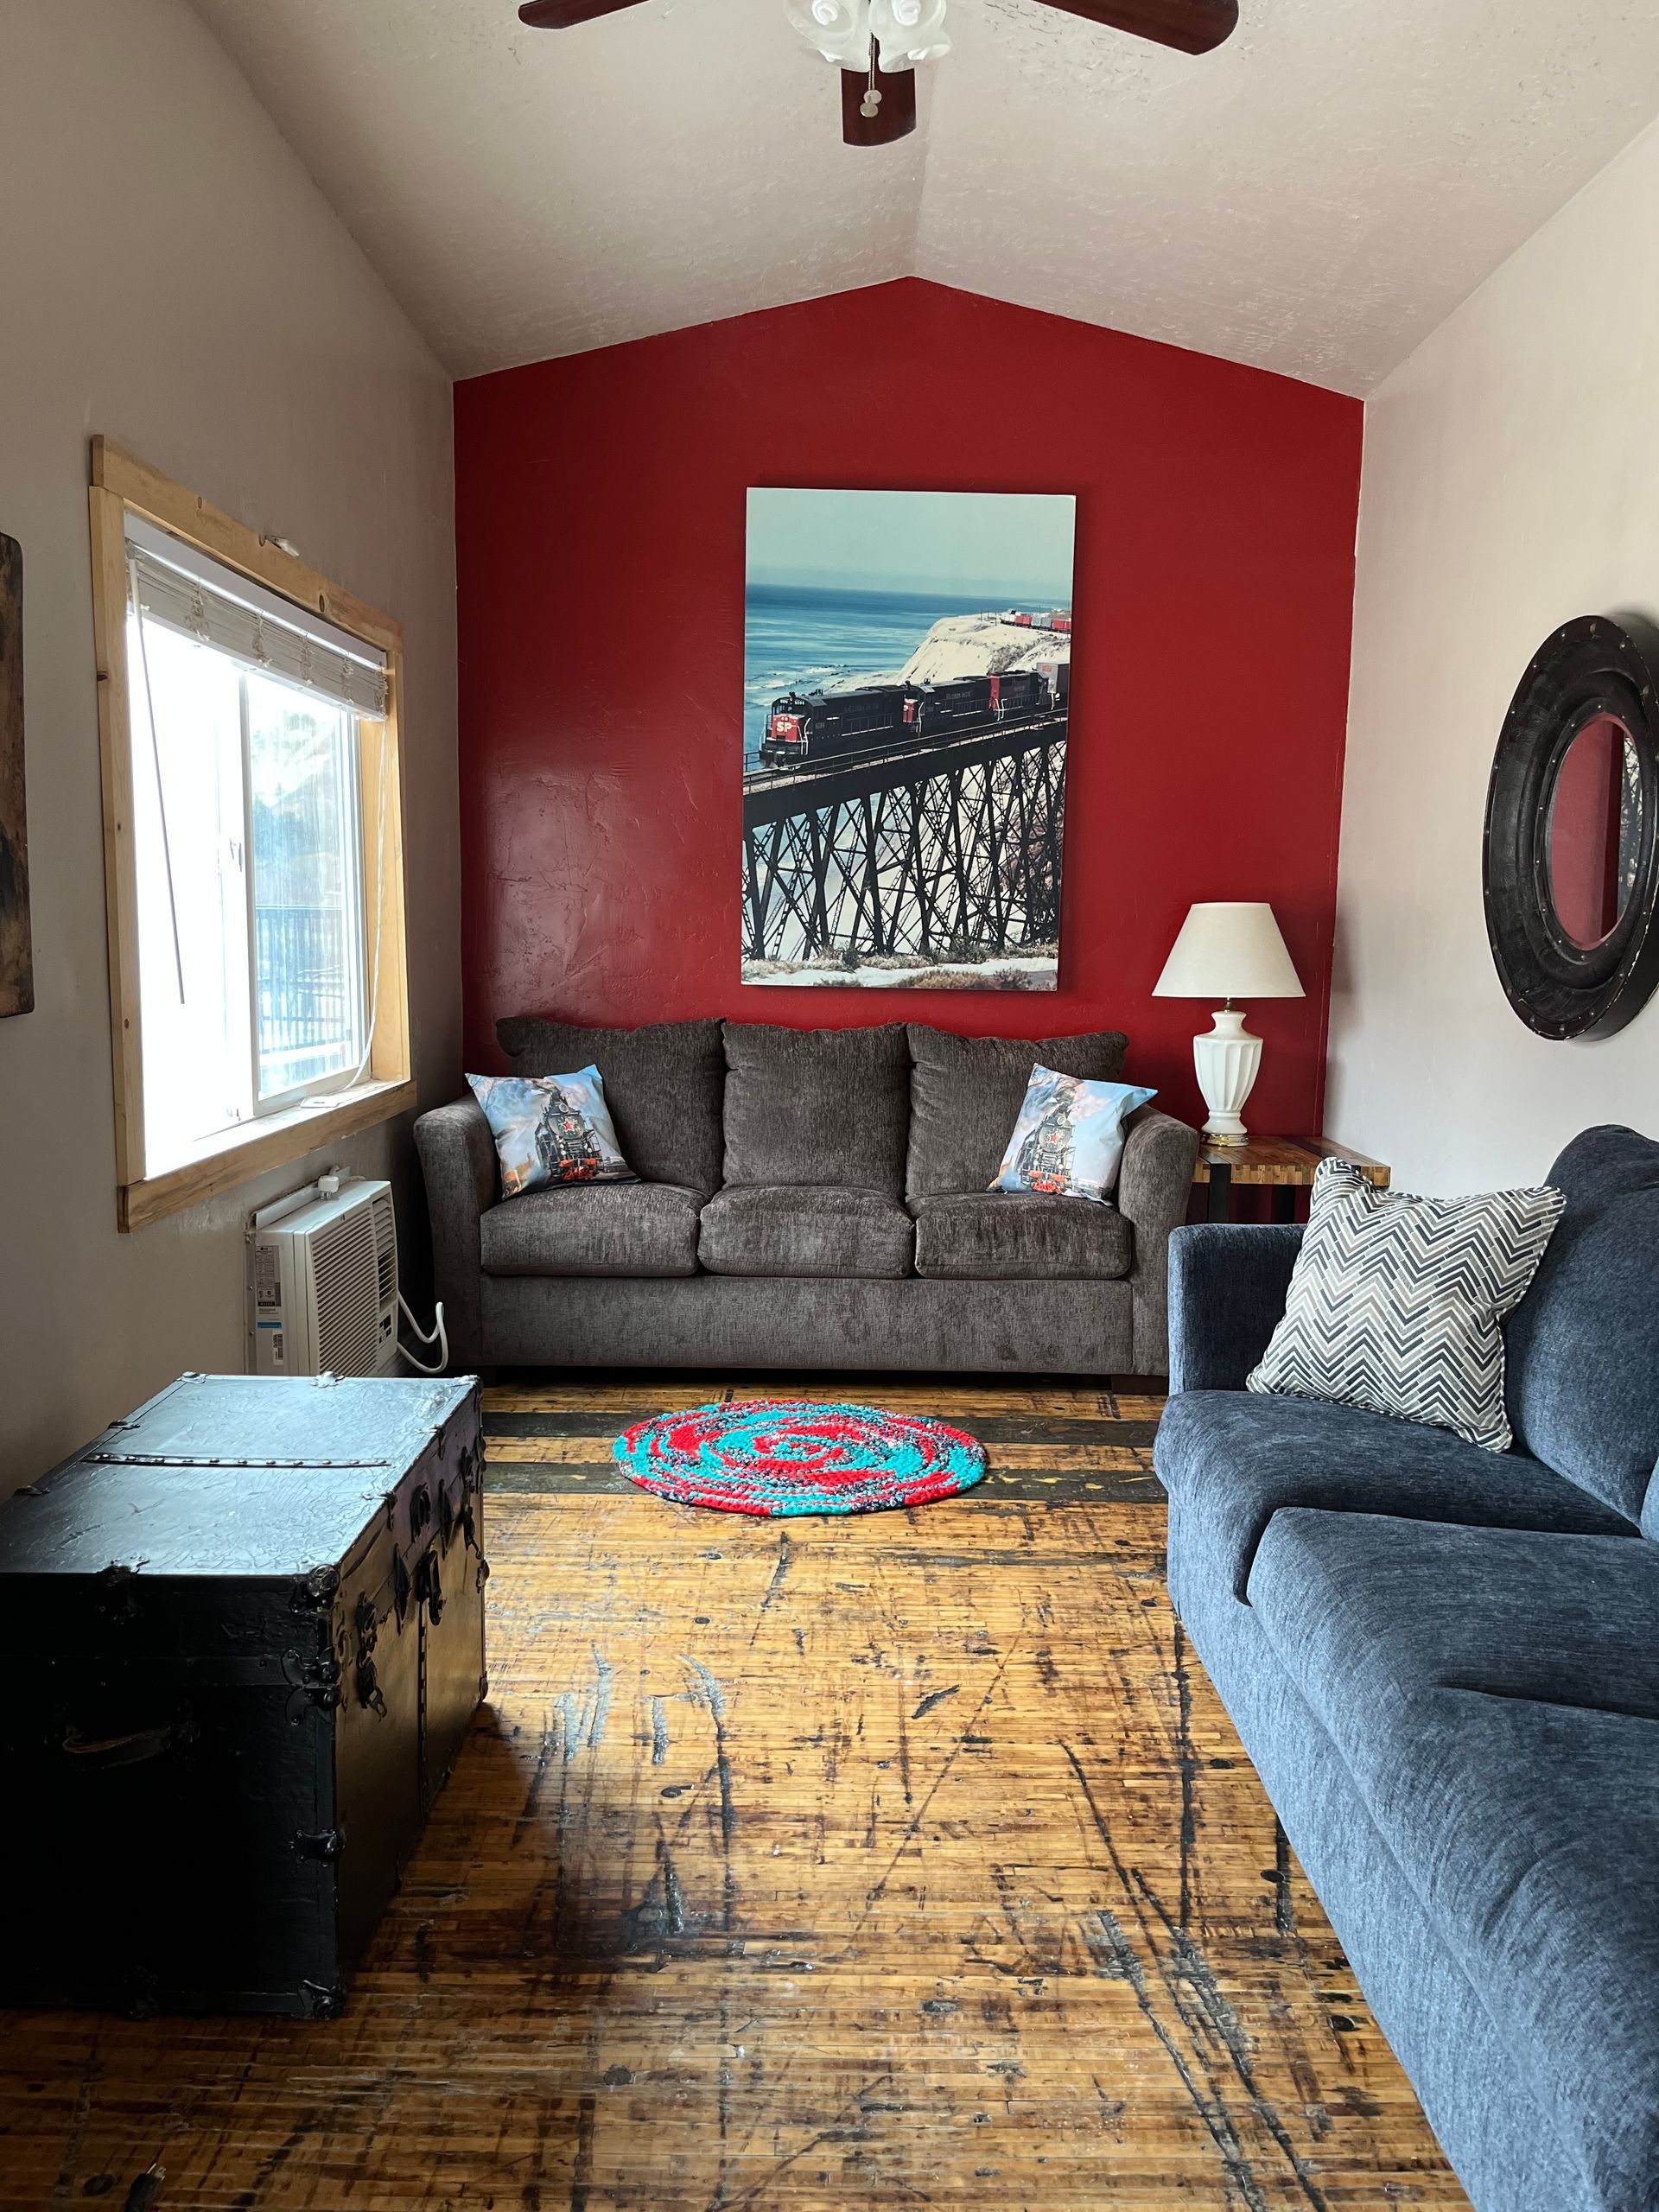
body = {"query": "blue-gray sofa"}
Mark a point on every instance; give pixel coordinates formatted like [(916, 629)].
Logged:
[(1444, 1664)]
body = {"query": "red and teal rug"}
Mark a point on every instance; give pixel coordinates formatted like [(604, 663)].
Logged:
[(779, 1456)]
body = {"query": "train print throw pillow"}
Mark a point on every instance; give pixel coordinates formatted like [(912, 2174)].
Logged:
[(551, 1129), (1068, 1142)]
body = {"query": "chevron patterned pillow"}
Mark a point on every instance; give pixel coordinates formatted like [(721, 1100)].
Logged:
[(1397, 1303)]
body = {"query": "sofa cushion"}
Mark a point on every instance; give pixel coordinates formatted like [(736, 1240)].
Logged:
[(966, 1093), (663, 1085), (1368, 1613), (984, 1235), (1495, 1695), (1584, 1342), (817, 1106), (1235, 1460), (616, 1228), (791, 1229)]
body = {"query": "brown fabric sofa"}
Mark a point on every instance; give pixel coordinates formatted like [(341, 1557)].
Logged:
[(809, 1198)]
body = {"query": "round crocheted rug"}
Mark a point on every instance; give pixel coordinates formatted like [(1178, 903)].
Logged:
[(776, 1456)]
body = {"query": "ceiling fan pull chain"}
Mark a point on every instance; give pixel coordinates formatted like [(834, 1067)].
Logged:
[(871, 103)]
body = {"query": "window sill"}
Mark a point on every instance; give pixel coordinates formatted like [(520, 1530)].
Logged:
[(241, 1153)]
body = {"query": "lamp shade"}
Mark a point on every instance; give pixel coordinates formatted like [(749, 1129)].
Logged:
[(1229, 949)]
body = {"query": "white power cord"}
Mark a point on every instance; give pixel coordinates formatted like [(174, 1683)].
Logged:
[(438, 1336)]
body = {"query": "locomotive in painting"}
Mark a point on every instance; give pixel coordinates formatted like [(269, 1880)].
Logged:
[(818, 725)]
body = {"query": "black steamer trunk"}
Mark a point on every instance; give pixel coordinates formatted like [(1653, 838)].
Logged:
[(244, 1636)]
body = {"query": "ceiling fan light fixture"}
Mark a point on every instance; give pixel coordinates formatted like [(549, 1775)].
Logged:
[(846, 33), (838, 31), (910, 31)]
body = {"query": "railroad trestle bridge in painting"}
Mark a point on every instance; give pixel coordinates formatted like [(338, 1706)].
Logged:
[(906, 687), (945, 856)]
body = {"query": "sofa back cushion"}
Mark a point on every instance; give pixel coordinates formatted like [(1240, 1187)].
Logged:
[(663, 1085), (966, 1093), (1583, 1344), (826, 1106)]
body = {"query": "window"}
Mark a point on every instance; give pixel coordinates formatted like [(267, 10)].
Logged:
[(250, 794)]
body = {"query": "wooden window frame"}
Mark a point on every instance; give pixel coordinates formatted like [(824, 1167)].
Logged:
[(121, 485)]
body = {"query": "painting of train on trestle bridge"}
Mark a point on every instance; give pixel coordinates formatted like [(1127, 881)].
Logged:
[(908, 686)]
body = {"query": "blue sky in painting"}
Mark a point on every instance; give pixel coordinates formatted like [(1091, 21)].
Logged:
[(1005, 547)]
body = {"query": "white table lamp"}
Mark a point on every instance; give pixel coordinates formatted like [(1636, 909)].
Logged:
[(1228, 950)]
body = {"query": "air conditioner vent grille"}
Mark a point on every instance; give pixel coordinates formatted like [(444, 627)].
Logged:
[(347, 1279), (385, 1238)]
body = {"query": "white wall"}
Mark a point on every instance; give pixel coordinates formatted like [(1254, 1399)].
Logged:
[(170, 277), (1511, 481)]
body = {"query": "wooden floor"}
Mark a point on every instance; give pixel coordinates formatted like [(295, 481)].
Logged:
[(908, 1860)]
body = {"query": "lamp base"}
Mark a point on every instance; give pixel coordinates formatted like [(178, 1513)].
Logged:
[(1226, 1058)]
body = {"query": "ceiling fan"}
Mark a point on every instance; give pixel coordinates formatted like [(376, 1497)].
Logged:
[(878, 95)]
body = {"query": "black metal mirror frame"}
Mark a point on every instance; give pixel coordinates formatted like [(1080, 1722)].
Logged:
[(1593, 667)]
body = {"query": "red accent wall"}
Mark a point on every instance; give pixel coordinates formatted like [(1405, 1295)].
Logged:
[(600, 520)]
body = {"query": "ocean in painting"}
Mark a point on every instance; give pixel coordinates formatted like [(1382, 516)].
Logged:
[(796, 638)]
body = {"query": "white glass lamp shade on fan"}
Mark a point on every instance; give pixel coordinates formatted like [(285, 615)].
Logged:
[(905, 31), (1228, 950)]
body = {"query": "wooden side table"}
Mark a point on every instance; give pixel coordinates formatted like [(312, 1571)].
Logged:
[(1284, 1165)]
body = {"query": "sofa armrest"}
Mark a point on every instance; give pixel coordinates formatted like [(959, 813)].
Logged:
[(458, 1161), (1227, 1286), (1154, 1186)]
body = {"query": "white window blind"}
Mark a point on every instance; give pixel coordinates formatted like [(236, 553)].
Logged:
[(195, 595)]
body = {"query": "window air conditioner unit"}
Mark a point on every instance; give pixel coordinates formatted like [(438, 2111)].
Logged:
[(322, 1282)]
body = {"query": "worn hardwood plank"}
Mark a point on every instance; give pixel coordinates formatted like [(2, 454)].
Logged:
[(635, 1400), (585, 1478), (990, 1428), (1090, 1450), (1057, 1458), (902, 1860)]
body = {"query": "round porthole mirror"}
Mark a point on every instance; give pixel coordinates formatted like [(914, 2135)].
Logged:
[(1594, 832), (1572, 854)]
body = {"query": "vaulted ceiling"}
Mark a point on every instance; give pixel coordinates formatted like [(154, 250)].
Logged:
[(1313, 198)]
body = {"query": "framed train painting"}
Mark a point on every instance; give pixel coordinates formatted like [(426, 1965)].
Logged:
[(907, 681), (16, 955)]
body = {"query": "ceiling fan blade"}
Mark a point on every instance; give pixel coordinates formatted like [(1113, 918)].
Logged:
[(1194, 26), (895, 118), (562, 15)]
